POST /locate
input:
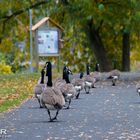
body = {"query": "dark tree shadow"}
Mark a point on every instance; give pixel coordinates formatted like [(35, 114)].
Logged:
[(136, 103)]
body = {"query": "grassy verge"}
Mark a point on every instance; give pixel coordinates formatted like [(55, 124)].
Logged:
[(15, 88)]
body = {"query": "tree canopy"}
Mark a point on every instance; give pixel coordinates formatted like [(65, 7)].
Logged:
[(93, 30)]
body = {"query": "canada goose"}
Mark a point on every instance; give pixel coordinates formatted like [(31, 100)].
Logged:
[(39, 81), (44, 78), (87, 68), (51, 97), (138, 88), (38, 89), (88, 79), (89, 82), (114, 75), (78, 84), (67, 88), (97, 67), (96, 75), (66, 72)]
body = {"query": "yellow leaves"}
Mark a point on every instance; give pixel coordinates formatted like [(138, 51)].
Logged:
[(15, 88), (5, 69), (9, 97), (6, 45)]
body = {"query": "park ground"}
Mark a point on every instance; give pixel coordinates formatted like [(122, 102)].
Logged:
[(107, 113)]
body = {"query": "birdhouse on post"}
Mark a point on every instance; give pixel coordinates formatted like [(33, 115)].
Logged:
[(48, 40)]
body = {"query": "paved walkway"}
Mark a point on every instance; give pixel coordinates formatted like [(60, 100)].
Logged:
[(107, 113)]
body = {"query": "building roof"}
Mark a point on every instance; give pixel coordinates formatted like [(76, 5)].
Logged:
[(43, 21)]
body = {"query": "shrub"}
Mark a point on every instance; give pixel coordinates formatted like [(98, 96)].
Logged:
[(4, 68)]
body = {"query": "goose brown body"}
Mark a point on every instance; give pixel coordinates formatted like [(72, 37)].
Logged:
[(78, 85), (114, 75), (38, 89), (89, 82), (51, 97), (67, 89)]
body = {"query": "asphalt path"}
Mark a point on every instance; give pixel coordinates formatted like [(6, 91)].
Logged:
[(107, 113)]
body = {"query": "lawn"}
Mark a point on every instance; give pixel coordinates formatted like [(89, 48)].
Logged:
[(16, 88)]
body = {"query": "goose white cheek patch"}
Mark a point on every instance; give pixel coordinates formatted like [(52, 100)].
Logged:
[(77, 87), (115, 77)]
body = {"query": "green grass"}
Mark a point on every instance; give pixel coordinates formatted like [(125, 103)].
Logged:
[(9, 104), (15, 88)]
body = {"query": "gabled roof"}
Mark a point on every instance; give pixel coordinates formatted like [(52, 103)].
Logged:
[(43, 21)]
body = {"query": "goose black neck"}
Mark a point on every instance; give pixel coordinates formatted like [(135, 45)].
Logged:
[(81, 75), (66, 75), (42, 76), (97, 67), (67, 80), (88, 69), (49, 74)]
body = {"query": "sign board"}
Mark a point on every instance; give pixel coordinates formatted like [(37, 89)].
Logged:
[(47, 42)]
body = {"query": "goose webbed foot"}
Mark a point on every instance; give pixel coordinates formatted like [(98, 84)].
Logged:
[(93, 86), (68, 104), (49, 115), (41, 106), (77, 96), (68, 107), (55, 118), (87, 91), (51, 120), (113, 84)]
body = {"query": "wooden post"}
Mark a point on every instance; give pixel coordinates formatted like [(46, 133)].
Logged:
[(58, 64)]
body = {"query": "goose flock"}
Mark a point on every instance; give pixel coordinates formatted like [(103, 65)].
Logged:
[(58, 94)]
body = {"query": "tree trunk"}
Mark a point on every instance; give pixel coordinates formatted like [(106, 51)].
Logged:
[(98, 48), (126, 51)]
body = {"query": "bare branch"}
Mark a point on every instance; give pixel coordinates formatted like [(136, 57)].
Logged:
[(20, 11)]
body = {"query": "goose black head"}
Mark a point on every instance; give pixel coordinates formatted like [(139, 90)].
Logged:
[(48, 68), (97, 67), (42, 76), (49, 73), (88, 69), (81, 75), (66, 73)]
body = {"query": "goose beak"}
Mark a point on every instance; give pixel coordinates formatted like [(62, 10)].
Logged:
[(45, 65)]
